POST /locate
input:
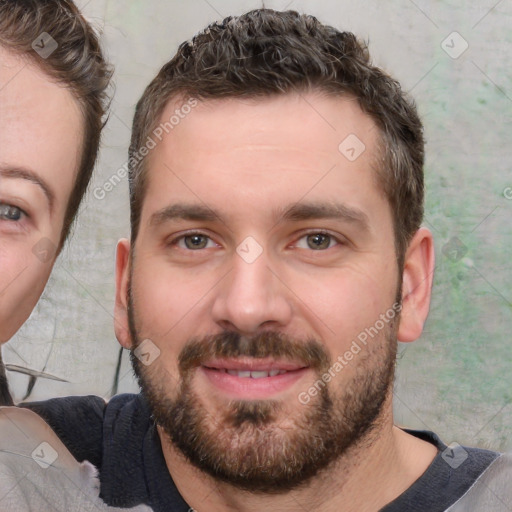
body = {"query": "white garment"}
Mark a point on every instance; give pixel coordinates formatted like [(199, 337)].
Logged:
[(39, 474), (492, 491)]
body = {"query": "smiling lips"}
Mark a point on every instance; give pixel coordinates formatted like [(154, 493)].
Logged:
[(259, 374), (252, 379), (249, 365)]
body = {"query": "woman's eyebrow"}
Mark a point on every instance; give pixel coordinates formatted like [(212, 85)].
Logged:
[(23, 173)]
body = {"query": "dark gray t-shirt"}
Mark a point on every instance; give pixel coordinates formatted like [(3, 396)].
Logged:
[(120, 439)]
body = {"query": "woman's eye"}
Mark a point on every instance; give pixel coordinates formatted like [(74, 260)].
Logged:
[(195, 241), (317, 241), (8, 212)]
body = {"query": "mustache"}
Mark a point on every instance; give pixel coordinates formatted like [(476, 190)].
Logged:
[(231, 344)]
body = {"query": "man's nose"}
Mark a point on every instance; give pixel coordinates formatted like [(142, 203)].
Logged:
[(252, 297)]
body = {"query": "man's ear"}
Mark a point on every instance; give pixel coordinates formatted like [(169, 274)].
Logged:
[(418, 275), (122, 280)]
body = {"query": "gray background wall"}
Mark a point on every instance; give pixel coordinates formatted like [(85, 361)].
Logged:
[(456, 379)]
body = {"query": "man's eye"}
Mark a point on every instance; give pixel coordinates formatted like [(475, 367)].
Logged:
[(8, 212), (194, 242), (317, 241)]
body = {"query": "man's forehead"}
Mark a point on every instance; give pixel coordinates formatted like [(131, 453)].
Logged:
[(310, 122), (238, 143), (322, 103)]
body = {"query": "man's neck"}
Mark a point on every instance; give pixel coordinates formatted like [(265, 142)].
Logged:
[(369, 476)]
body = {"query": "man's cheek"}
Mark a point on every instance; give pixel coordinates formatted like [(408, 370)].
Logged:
[(164, 299), (158, 365), (155, 306)]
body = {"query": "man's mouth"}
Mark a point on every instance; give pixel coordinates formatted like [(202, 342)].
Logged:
[(255, 368), (252, 378), (258, 374)]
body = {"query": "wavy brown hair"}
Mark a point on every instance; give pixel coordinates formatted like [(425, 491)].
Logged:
[(79, 65)]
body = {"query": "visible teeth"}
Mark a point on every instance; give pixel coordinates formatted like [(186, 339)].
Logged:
[(259, 374)]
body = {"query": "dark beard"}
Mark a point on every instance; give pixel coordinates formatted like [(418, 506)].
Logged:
[(245, 445)]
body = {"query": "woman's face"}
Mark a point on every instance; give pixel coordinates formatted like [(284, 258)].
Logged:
[(40, 149)]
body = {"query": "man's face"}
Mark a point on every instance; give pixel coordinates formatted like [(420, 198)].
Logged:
[(263, 253), (40, 141)]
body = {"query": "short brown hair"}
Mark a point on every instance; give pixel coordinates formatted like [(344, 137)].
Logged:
[(77, 63), (265, 52)]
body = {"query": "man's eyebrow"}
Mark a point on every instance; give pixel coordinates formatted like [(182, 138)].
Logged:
[(24, 173), (182, 211), (295, 212), (337, 211)]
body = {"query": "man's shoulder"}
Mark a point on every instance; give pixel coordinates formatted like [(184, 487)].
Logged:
[(126, 416), (454, 470), (80, 421), (116, 436), (90, 407), (491, 491), (472, 460)]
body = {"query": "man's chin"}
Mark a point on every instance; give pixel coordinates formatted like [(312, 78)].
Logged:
[(255, 446), (265, 446)]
